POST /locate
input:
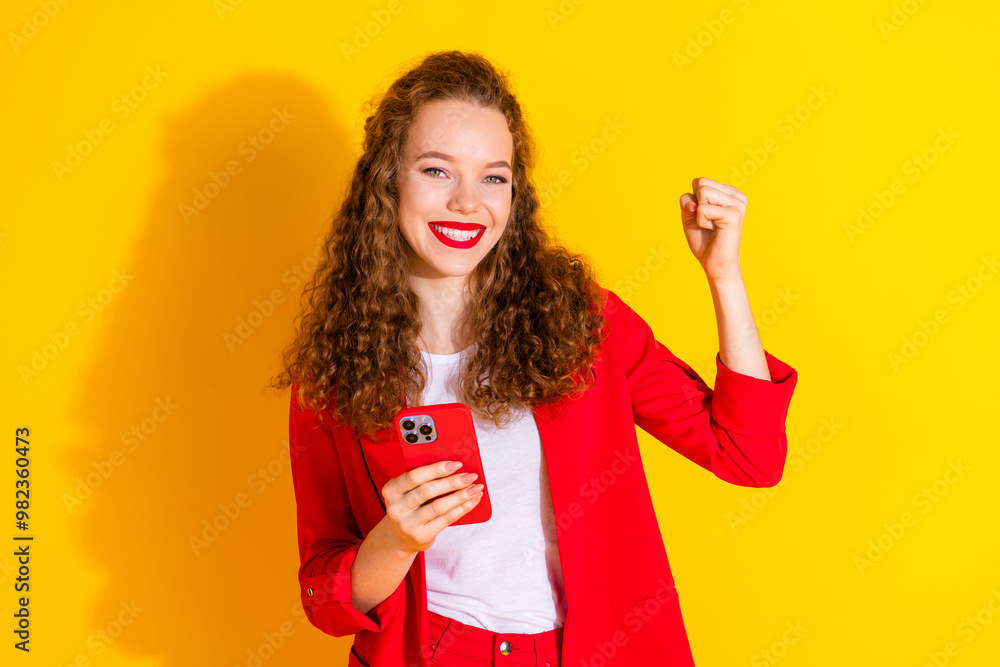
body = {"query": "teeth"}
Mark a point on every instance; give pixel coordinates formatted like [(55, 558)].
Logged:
[(455, 234)]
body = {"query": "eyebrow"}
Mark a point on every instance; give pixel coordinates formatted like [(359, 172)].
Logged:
[(443, 156)]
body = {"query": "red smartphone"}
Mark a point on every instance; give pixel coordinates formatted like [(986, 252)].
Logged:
[(444, 432)]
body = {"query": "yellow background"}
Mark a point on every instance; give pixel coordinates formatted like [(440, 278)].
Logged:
[(835, 306)]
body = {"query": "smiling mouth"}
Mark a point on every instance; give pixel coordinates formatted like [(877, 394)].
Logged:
[(457, 234), (461, 226)]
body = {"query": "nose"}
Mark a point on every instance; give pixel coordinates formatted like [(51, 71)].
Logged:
[(465, 198)]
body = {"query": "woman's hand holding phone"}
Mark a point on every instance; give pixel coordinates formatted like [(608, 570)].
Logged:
[(414, 520)]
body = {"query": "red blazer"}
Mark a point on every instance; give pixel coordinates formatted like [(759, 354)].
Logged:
[(621, 602)]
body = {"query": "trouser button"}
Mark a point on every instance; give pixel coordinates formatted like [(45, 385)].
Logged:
[(505, 647)]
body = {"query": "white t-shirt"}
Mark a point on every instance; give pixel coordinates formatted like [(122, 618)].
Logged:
[(502, 575)]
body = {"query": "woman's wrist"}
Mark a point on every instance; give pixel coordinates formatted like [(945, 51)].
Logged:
[(386, 542)]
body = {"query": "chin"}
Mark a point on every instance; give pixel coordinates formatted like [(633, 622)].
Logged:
[(455, 271)]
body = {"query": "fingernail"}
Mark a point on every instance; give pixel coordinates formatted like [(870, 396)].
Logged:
[(453, 465)]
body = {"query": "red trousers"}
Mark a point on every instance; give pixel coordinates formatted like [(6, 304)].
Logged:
[(455, 644)]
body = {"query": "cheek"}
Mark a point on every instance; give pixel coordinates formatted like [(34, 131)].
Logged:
[(499, 205), (405, 193), (424, 201), (412, 194)]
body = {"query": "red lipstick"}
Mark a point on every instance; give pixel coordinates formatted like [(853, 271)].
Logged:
[(461, 226)]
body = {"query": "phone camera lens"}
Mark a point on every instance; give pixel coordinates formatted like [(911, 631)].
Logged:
[(425, 429), (411, 438), (408, 424)]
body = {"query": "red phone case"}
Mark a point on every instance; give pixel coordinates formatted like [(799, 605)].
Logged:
[(453, 438)]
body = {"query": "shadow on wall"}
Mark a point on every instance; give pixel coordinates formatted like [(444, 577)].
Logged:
[(184, 493)]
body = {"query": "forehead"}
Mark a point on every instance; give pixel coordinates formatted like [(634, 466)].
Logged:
[(460, 129)]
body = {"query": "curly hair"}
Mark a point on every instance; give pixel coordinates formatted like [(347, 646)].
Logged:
[(535, 315)]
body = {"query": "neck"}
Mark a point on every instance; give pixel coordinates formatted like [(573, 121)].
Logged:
[(442, 307)]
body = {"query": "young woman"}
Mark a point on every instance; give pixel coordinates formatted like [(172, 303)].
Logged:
[(439, 285)]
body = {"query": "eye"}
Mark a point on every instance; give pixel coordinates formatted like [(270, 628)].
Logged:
[(500, 179)]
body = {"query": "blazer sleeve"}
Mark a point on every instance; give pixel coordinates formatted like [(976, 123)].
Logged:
[(736, 431), (328, 534)]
